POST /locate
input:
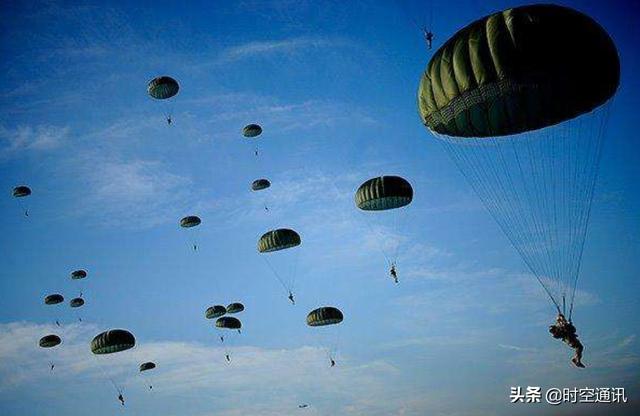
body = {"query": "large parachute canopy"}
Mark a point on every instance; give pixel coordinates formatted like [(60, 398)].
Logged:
[(252, 130), (49, 341), (260, 184), (327, 315), (280, 239), (53, 299), (163, 87), (112, 341), (520, 99), (21, 191), (190, 221), (228, 322), (147, 366), (78, 274), (215, 311), (76, 302), (383, 193), (235, 307)]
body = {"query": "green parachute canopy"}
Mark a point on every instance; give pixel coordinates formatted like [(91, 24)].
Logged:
[(327, 315), (53, 299), (383, 193), (518, 70), (76, 302), (21, 191), (162, 88), (252, 130), (49, 341), (112, 341), (215, 311), (228, 322), (280, 239), (260, 184), (78, 274), (235, 307), (190, 221), (520, 100), (147, 366)]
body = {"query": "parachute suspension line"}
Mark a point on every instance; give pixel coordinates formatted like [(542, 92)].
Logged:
[(108, 377), (379, 234), (275, 273), (604, 119), (538, 186)]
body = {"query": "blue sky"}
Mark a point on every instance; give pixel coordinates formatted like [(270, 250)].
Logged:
[(334, 87)]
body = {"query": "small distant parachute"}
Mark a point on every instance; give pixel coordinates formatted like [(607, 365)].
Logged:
[(383, 193), (276, 240), (21, 191), (228, 322), (303, 406), (53, 299), (76, 302), (235, 307), (215, 311), (260, 184), (327, 315), (252, 130), (190, 221), (49, 341), (78, 274), (147, 366), (112, 341), (163, 87)]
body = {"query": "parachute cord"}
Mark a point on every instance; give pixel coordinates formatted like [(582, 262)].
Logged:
[(380, 246), (603, 122), (276, 274)]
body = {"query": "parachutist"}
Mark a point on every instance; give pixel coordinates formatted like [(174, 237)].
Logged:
[(266, 208), (57, 322), (566, 331), (169, 121), (428, 37), (26, 212), (333, 363), (52, 366), (195, 247), (393, 273), (221, 339), (291, 298), (150, 387), (228, 358), (121, 398)]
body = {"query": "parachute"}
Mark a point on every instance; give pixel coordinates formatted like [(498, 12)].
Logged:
[(383, 193), (215, 311), (277, 240), (260, 184), (49, 341), (228, 322), (190, 221), (163, 87), (76, 302), (327, 315), (252, 130), (53, 299), (235, 307), (147, 366), (112, 341), (78, 274), (520, 100), (21, 191)]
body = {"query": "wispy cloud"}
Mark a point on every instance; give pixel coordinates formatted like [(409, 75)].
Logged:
[(283, 46), (31, 138)]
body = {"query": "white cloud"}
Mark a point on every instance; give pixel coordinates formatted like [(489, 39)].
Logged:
[(284, 46), (29, 138)]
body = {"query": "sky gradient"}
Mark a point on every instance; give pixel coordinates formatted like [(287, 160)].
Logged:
[(334, 87)]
